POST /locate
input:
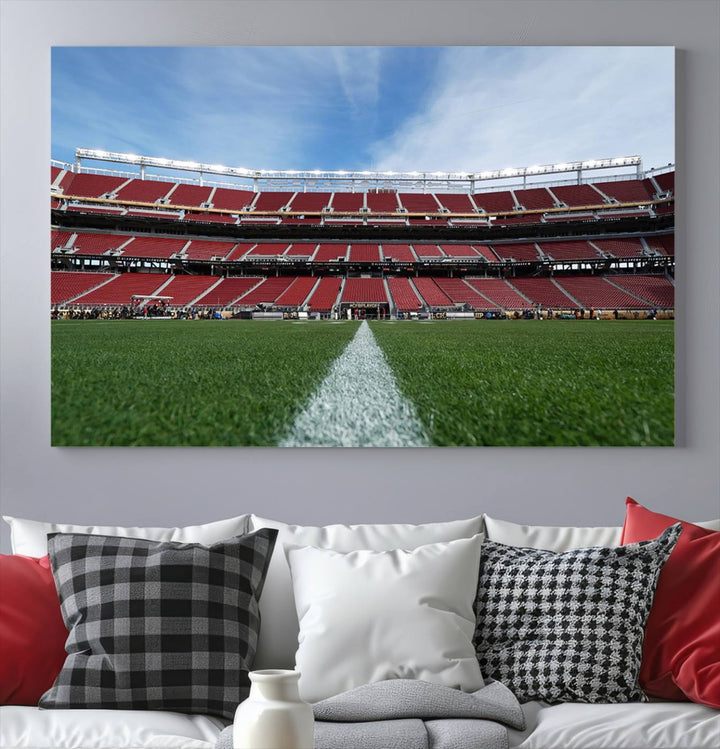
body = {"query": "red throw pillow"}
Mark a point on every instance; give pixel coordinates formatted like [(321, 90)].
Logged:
[(32, 632), (681, 650)]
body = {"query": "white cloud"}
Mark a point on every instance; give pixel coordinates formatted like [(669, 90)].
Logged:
[(494, 108), (358, 69)]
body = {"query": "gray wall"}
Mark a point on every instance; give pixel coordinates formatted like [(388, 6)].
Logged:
[(180, 486)]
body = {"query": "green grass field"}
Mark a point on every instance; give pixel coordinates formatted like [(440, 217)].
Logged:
[(471, 382)]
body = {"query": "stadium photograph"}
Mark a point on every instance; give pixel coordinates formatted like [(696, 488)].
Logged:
[(362, 246)]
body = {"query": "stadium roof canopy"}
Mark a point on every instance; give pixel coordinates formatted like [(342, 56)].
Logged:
[(345, 180)]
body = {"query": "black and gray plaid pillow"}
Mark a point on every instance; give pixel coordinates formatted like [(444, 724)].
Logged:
[(567, 627), (158, 625)]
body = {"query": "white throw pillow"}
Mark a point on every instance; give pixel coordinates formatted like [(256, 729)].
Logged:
[(279, 627), (559, 538), (367, 616), (549, 537), (29, 537)]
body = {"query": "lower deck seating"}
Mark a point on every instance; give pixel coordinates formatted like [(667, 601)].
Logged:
[(227, 291), (500, 292), (301, 249), (59, 239), (64, 285), (121, 290), (184, 289), (268, 291), (431, 293), (297, 292), (91, 243), (403, 294), (268, 249), (459, 250), (657, 290), (328, 252), (593, 291), (364, 290), (544, 292), (462, 293), (428, 250), (240, 250), (325, 294), (154, 247), (625, 248)]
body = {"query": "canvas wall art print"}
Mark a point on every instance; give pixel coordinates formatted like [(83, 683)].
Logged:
[(362, 246)]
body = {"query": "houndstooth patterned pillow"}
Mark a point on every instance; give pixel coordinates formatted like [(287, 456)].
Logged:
[(567, 627), (157, 625)]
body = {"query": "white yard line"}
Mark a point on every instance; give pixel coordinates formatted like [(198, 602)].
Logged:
[(358, 404)]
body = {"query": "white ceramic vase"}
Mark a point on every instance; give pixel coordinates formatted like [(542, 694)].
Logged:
[(274, 716)]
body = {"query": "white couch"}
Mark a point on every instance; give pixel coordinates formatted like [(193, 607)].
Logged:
[(652, 725)]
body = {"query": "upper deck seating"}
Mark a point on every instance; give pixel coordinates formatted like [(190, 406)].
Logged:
[(268, 249), (500, 292), (210, 218), (267, 292), (92, 243), (240, 250), (382, 202), (144, 190), (431, 293), (593, 291), (461, 293), (544, 292), (272, 201), (64, 180), (569, 250), (348, 202), (202, 249), (226, 198), (64, 285), (486, 252), (620, 247), (328, 252), (190, 195), (427, 250), (626, 191), (495, 202), (455, 202), (360, 290), (297, 292), (59, 239), (325, 294), (658, 290), (93, 185), (301, 249), (520, 251), (401, 252), (183, 289), (121, 290), (406, 300), (577, 195), (154, 247), (364, 253), (666, 181), (534, 197), (312, 202), (228, 291), (416, 202), (459, 250)]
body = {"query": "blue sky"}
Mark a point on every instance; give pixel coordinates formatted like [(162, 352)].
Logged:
[(375, 108)]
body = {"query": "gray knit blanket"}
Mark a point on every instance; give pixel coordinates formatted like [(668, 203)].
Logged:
[(409, 714)]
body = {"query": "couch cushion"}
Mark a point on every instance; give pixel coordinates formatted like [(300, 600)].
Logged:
[(31, 728), (32, 632), (279, 629), (157, 625), (681, 650), (29, 537), (367, 616), (568, 626), (654, 725)]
